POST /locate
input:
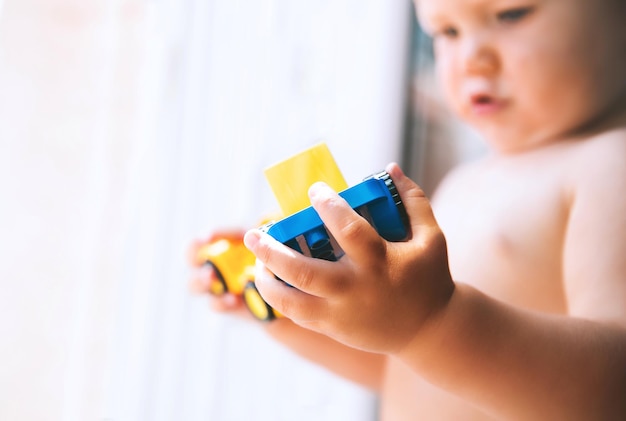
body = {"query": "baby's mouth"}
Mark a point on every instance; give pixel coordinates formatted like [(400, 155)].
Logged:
[(484, 104), (481, 99)]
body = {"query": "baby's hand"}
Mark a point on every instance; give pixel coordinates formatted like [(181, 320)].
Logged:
[(380, 294), (203, 277)]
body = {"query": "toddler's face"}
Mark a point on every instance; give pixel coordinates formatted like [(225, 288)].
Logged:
[(528, 72)]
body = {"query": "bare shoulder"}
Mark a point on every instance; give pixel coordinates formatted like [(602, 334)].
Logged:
[(603, 151), (599, 163), (596, 230)]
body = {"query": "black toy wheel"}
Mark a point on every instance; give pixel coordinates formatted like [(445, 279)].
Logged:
[(393, 190), (219, 287)]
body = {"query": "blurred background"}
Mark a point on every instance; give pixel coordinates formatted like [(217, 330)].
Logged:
[(129, 128)]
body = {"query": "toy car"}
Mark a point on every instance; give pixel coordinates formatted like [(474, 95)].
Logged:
[(376, 199), (233, 265)]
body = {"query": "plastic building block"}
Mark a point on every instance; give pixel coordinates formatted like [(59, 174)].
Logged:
[(376, 199), (290, 179)]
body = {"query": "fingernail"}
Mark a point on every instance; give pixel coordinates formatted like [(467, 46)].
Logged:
[(319, 189), (252, 238)]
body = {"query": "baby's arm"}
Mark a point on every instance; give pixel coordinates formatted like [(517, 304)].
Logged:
[(361, 367), (399, 298)]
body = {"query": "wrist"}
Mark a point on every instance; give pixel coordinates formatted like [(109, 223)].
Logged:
[(437, 340)]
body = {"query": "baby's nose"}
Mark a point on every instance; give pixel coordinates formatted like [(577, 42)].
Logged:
[(479, 56)]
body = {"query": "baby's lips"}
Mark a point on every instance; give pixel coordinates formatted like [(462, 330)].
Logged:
[(481, 98)]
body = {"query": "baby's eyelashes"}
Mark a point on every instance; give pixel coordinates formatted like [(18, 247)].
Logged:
[(513, 15), (448, 32)]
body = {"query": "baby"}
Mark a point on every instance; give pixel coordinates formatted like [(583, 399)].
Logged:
[(511, 304)]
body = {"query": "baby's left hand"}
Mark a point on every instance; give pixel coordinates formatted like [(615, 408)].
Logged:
[(380, 294)]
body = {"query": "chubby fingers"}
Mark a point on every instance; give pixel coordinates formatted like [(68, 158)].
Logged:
[(191, 253), (201, 279), (417, 205), (353, 233), (302, 294)]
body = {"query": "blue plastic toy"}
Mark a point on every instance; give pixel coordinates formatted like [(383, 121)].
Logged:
[(376, 199)]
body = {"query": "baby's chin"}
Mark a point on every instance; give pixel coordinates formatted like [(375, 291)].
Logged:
[(510, 141)]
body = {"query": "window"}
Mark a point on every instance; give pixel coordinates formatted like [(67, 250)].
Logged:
[(127, 128)]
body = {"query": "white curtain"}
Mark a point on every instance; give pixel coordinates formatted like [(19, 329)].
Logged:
[(127, 127)]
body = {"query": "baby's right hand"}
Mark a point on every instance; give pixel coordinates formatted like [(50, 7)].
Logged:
[(203, 277)]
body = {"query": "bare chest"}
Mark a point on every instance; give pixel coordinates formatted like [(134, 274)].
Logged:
[(505, 237)]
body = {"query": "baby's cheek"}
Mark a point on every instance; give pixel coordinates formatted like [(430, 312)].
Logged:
[(449, 84)]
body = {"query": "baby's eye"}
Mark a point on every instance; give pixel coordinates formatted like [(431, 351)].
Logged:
[(514, 15), (448, 32)]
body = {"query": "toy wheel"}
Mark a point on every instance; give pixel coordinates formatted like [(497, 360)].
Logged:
[(219, 286), (395, 195), (255, 303)]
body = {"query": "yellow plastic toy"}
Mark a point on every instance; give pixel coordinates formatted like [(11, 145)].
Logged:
[(290, 180), (230, 259)]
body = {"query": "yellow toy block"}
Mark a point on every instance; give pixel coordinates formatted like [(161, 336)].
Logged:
[(290, 179)]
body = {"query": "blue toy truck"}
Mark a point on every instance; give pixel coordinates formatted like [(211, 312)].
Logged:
[(376, 199)]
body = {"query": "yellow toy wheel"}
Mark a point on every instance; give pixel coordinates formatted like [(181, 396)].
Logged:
[(255, 303)]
